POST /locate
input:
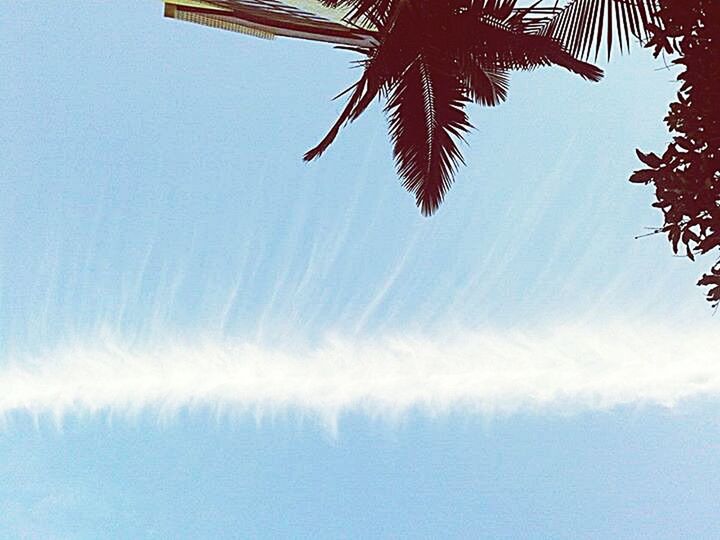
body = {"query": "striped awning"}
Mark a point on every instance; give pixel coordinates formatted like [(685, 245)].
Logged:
[(304, 19)]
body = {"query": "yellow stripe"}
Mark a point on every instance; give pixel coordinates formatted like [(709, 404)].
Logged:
[(172, 11), (197, 4), (214, 22)]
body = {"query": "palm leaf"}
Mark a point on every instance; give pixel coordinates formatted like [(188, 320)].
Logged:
[(585, 27), (362, 94), (426, 117), (379, 70), (485, 87), (373, 13), (500, 47)]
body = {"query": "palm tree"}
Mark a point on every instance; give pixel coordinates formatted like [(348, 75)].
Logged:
[(429, 58)]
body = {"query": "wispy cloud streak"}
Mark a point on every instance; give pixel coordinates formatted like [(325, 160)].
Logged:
[(568, 368)]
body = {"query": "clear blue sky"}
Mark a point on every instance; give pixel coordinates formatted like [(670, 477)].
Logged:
[(203, 337)]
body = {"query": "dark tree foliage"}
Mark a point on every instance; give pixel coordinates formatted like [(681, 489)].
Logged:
[(687, 175), (428, 59), (431, 59)]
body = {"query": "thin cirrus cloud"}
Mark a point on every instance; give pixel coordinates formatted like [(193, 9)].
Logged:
[(568, 368)]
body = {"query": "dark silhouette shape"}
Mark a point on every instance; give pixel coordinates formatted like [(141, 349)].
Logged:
[(430, 58), (687, 175)]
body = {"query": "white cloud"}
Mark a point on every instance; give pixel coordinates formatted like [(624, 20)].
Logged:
[(567, 367)]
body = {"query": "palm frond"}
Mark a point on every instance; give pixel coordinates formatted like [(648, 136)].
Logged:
[(486, 87), (373, 13), (426, 118), (585, 27), (498, 49), (381, 65)]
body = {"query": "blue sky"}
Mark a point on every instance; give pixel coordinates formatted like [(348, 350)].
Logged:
[(202, 336)]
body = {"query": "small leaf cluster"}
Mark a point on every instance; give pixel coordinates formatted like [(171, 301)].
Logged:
[(687, 175)]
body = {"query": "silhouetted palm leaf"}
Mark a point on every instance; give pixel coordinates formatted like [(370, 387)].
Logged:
[(380, 67), (425, 113), (484, 86), (365, 12), (489, 42), (583, 26)]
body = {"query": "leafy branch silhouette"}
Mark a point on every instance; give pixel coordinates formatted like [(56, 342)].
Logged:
[(430, 58)]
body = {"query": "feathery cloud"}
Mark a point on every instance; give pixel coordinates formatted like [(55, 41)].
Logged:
[(570, 367)]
